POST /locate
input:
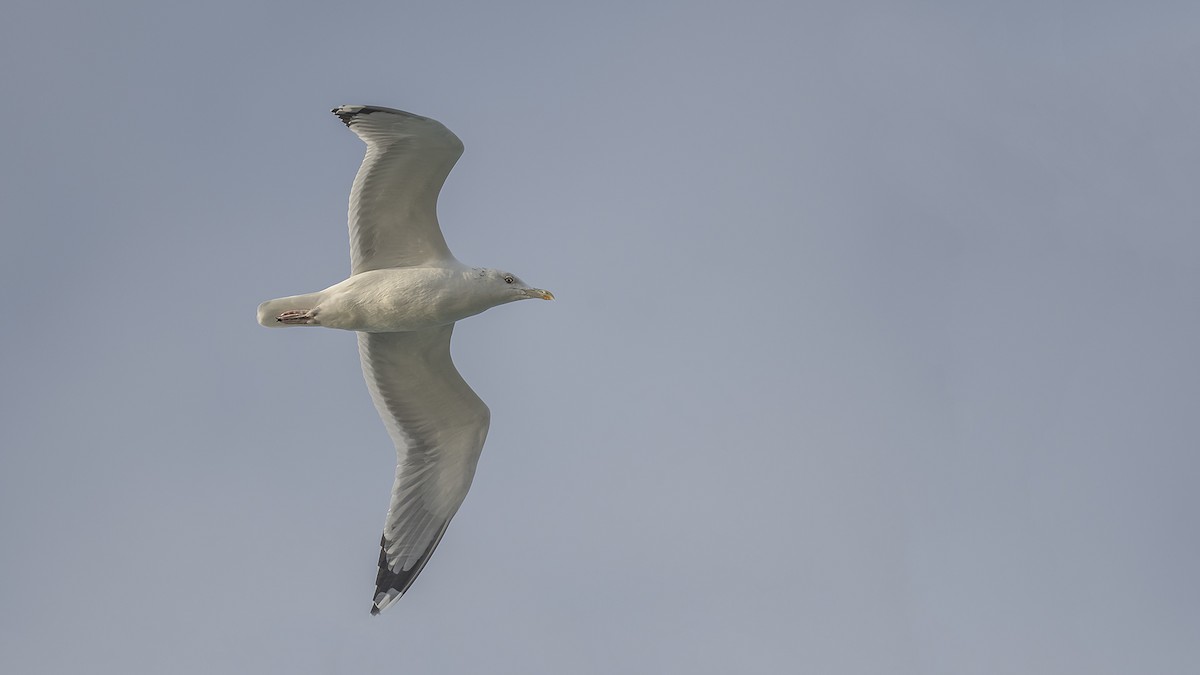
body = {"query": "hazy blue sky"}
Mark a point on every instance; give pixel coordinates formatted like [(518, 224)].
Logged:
[(875, 347)]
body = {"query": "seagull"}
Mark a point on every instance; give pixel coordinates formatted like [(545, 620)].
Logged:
[(404, 294)]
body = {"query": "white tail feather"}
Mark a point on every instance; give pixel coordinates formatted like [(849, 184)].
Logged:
[(269, 311)]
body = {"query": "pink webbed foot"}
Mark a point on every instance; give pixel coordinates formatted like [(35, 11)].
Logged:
[(301, 317)]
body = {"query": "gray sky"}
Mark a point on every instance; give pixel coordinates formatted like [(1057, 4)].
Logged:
[(874, 348)]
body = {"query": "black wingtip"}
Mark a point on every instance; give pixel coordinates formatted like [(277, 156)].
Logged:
[(374, 610), (387, 580), (347, 113)]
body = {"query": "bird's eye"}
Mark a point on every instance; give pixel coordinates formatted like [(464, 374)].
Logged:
[(508, 280)]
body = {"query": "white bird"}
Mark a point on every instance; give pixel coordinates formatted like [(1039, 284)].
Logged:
[(403, 296)]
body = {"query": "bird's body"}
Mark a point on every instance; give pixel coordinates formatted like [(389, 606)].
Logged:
[(403, 296), (393, 300)]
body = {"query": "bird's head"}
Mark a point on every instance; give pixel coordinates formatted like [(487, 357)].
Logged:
[(508, 287)]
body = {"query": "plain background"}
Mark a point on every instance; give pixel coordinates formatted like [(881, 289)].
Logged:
[(875, 347)]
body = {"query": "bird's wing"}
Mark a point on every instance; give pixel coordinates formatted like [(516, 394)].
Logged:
[(438, 425), (393, 204)]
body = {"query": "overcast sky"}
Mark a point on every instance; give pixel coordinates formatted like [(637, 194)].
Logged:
[(875, 347)]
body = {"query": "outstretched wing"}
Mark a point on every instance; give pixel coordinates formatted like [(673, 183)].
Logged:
[(393, 204), (438, 425)]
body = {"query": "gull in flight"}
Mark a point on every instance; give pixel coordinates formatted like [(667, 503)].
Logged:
[(403, 296)]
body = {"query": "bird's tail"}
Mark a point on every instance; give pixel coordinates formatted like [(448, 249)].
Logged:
[(289, 311)]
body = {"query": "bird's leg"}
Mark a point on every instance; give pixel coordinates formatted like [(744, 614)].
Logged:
[(301, 317)]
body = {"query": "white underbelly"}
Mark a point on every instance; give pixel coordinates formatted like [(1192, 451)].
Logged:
[(389, 301)]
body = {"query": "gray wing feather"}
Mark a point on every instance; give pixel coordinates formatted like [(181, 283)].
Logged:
[(393, 203), (438, 425)]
